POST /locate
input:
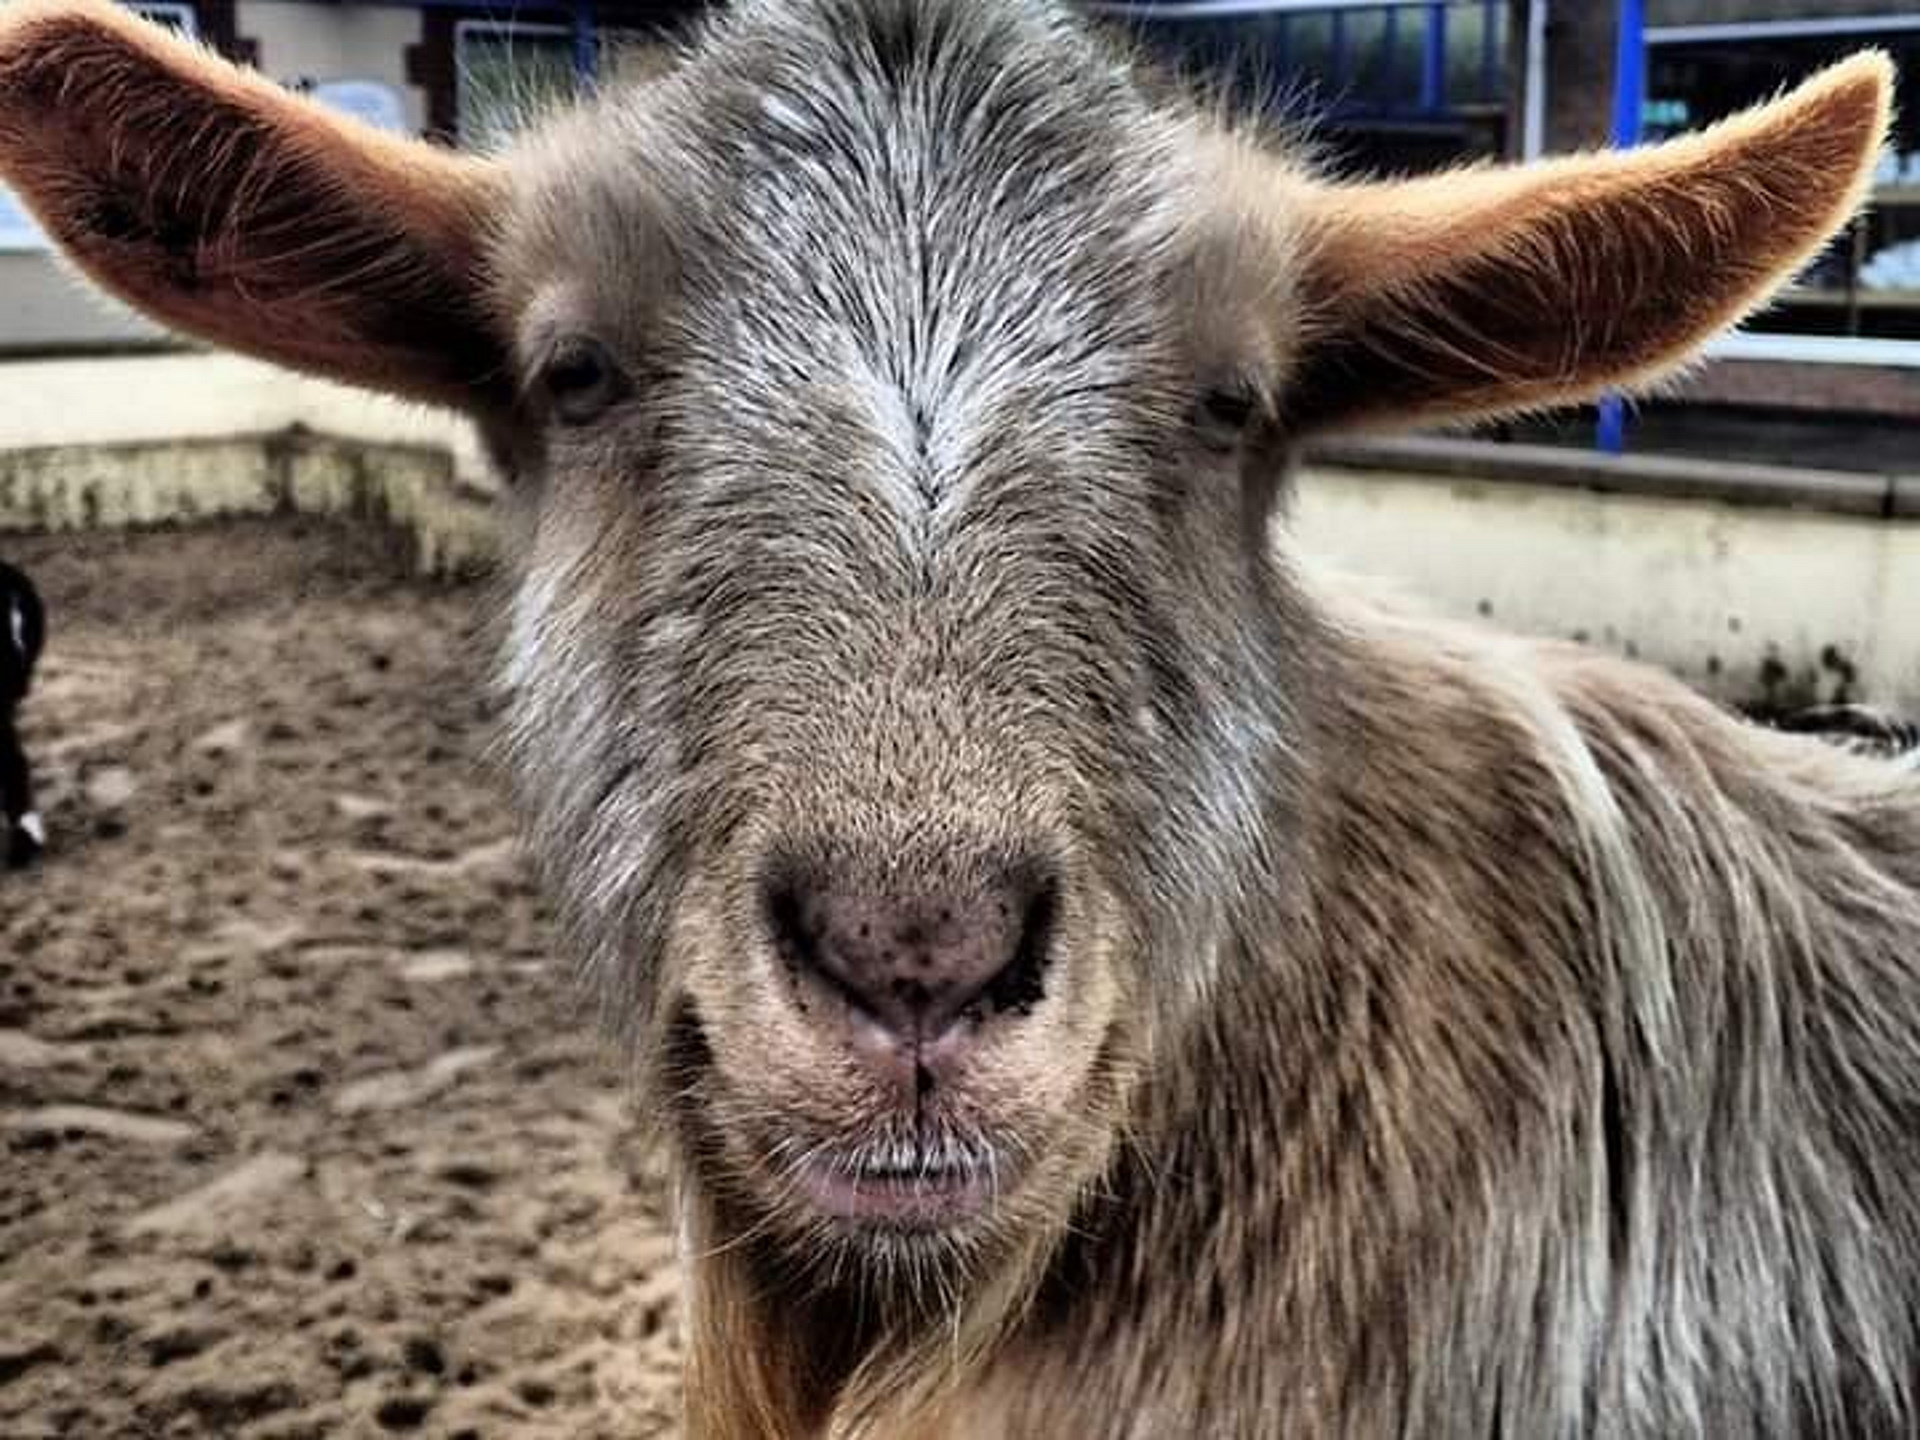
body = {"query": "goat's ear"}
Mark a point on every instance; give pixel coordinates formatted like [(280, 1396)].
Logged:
[(224, 206), (1489, 292)]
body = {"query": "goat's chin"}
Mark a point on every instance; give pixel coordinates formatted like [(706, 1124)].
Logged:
[(890, 1186), (881, 1203), (800, 1154), (914, 1248)]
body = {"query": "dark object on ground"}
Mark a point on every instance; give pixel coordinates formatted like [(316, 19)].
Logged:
[(1860, 728), (23, 633)]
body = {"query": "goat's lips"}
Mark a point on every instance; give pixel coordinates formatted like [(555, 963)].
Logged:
[(900, 1199)]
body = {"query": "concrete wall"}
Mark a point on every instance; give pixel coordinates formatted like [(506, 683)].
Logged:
[(452, 531), (144, 440), (44, 305), (194, 395), (317, 43), (1777, 602)]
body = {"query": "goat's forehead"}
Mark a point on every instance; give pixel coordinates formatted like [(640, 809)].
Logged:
[(864, 167)]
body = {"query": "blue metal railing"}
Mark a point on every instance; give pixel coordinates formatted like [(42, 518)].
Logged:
[(1629, 106), (586, 41), (1433, 57)]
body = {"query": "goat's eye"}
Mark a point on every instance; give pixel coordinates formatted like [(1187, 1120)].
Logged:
[(581, 380), (1225, 413)]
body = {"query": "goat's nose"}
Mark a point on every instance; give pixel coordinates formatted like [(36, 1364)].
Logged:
[(916, 965)]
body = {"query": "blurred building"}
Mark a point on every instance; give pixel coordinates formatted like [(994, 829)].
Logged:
[(1387, 87), (1403, 87)]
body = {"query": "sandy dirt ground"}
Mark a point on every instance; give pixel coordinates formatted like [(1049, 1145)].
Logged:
[(302, 1134)]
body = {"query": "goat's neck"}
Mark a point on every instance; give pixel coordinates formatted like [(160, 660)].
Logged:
[(1287, 1181), (1312, 1148)]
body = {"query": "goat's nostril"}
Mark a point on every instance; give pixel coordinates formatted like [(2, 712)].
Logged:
[(1021, 983), (917, 966), (795, 936)]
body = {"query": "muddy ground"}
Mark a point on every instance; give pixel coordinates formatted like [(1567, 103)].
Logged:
[(302, 1134)]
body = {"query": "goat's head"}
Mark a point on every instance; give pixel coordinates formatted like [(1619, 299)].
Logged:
[(901, 688)]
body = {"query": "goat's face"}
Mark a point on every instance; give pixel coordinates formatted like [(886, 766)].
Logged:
[(898, 685), (887, 668)]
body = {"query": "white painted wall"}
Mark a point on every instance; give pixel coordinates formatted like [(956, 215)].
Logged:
[(196, 395), (1709, 590)]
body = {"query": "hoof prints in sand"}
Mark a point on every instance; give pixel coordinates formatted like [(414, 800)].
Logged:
[(302, 1136)]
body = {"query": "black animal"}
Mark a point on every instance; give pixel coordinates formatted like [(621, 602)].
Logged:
[(23, 633)]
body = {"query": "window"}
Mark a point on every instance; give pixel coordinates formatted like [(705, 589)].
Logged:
[(1407, 86), (508, 73), (1867, 283)]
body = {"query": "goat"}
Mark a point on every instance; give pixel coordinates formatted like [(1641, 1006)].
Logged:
[(1096, 974)]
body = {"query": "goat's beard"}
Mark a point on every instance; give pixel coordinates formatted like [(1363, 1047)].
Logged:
[(739, 1169), (794, 1313)]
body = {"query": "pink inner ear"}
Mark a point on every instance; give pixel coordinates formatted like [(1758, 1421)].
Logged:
[(229, 209)]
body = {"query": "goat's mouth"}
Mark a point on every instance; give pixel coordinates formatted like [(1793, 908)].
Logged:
[(912, 1188)]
